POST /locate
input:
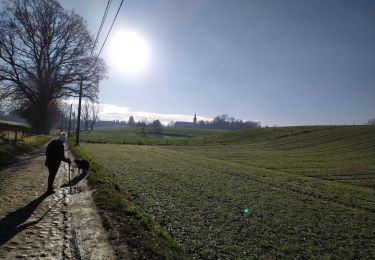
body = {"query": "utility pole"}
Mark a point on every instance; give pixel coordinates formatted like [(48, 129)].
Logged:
[(62, 121), (70, 119), (79, 113), (74, 121)]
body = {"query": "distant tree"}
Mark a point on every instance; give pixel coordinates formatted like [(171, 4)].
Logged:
[(201, 124), (231, 121), (226, 122), (371, 121), (142, 125), (156, 126), (251, 124), (86, 113), (216, 122), (64, 110), (95, 108), (221, 122), (2, 105), (44, 53), (89, 113), (237, 124), (131, 122)]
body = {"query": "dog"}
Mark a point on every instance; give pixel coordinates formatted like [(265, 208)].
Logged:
[(82, 165)]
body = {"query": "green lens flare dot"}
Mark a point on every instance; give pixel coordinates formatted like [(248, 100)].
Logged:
[(246, 210)]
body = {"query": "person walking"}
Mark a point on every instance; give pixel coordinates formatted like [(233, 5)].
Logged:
[(54, 156)]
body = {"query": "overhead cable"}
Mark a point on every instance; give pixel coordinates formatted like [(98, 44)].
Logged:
[(105, 40), (101, 25)]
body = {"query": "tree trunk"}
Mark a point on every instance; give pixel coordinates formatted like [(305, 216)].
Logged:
[(42, 124), (40, 115)]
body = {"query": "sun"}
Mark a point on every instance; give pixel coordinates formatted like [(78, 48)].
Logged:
[(129, 52)]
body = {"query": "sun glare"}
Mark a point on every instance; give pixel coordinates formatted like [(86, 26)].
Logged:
[(129, 52)]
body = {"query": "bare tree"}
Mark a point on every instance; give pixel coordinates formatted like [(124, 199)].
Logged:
[(44, 53), (142, 124), (156, 126), (95, 108), (171, 124), (63, 113), (86, 113), (89, 113)]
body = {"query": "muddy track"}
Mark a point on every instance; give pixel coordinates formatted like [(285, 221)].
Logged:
[(64, 225)]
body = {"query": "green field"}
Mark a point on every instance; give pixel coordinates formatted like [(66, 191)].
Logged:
[(191, 136), (313, 189), (167, 136)]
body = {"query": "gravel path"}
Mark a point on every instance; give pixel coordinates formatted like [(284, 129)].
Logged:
[(63, 225)]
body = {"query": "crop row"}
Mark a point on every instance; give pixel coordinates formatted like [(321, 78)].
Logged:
[(199, 196)]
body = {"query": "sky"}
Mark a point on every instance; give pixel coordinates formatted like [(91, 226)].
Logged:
[(289, 62)]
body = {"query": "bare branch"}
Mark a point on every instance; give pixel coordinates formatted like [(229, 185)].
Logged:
[(44, 53)]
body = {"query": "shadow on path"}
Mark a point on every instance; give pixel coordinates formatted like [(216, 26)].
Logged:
[(12, 224), (75, 181)]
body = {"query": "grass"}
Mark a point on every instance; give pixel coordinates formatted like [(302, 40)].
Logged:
[(168, 136), (192, 136), (313, 189), (255, 135), (9, 150), (131, 229)]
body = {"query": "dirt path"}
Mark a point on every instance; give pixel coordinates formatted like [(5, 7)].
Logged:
[(63, 225)]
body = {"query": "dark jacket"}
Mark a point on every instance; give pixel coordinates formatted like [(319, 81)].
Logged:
[(55, 153)]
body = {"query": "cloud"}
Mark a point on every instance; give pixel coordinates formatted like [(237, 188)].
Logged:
[(114, 112)]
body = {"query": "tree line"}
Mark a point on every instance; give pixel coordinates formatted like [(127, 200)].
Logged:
[(154, 126), (227, 122), (219, 122)]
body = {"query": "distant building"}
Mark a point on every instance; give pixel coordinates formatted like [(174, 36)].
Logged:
[(180, 124)]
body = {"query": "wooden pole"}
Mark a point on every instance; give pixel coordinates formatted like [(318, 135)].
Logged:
[(79, 113), (70, 119)]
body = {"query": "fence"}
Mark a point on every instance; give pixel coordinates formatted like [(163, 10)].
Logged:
[(13, 132)]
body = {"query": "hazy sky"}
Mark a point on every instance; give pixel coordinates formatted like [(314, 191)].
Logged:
[(281, 62)]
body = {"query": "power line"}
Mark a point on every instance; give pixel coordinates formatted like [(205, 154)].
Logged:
[(101, 25), (105, 40), (96, 59), (118, 10)]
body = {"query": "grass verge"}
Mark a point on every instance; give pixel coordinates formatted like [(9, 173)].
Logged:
[(312, 189), (129, 227), (9, 150)]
